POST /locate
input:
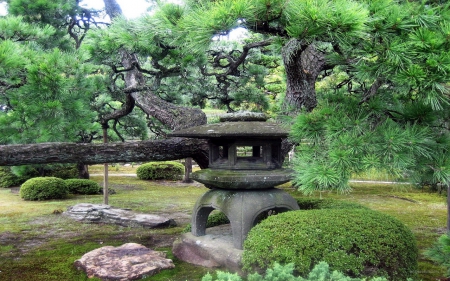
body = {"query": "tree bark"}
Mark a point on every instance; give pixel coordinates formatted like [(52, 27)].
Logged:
[(303, 63), (88, 153), (112, 8), (175, 117), (105, 170), (83, 171), (187, 170)]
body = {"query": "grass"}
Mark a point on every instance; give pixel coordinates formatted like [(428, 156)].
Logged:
[(37, 244)]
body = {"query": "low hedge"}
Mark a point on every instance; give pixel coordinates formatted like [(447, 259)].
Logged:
[(357, 242), (43, 188), (165, 170), (8, 178), (83, 186)]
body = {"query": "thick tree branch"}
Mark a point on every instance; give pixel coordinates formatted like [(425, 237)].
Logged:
[(233, 64), (42, 153), (126, 109), (373, 90)]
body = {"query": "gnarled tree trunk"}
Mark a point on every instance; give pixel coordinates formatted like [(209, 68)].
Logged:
[(302, 63)]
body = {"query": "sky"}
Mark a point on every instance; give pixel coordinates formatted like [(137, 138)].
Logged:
[(130, 8)]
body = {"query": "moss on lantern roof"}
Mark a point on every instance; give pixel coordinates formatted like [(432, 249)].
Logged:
[(235, 130), (236, 125)]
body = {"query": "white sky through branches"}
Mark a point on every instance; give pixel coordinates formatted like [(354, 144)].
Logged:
[(133, 9), (130, 8)]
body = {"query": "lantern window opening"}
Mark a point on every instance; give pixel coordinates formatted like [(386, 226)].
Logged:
[(249, 151)]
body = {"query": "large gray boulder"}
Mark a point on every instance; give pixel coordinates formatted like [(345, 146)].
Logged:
[(130, 261), (100, 213)]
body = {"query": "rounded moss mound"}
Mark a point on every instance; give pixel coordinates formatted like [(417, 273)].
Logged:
[(83, 186), (357, 242), (166, 170), (43, 188)]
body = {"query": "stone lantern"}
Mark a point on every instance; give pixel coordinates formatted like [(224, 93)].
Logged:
[(244, 168)]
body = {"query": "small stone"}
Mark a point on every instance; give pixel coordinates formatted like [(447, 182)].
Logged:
[(130, 261)]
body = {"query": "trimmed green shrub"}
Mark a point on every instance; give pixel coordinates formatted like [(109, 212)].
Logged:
[(357, 242), (167, 170), (320, 272), (43, 188), (8, 178), (83, 186)]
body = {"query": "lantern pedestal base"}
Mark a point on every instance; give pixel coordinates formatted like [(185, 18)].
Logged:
[(244, 209), (213, 250)]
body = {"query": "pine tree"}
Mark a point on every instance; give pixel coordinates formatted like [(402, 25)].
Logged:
[(367, 79)]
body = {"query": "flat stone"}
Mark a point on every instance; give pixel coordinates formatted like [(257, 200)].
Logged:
[(130, 261), (213, 250), (100, 213)]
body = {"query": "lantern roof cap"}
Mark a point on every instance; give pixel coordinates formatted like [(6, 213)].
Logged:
[(236, 125)]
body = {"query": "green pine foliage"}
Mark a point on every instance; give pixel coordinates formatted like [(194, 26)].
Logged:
[(440, 253), (357, 242), (167, 170), (43, 188), (383, 100), (58, 109), (339, 139), (83, 186), (8, 178), (320, 272)]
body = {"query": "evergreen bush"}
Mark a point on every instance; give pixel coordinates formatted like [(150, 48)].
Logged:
[(357, 242), (167, 170), (440, 253), (43, 188), (62, 171), (83, 186), (320, 272), (8, 178)]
